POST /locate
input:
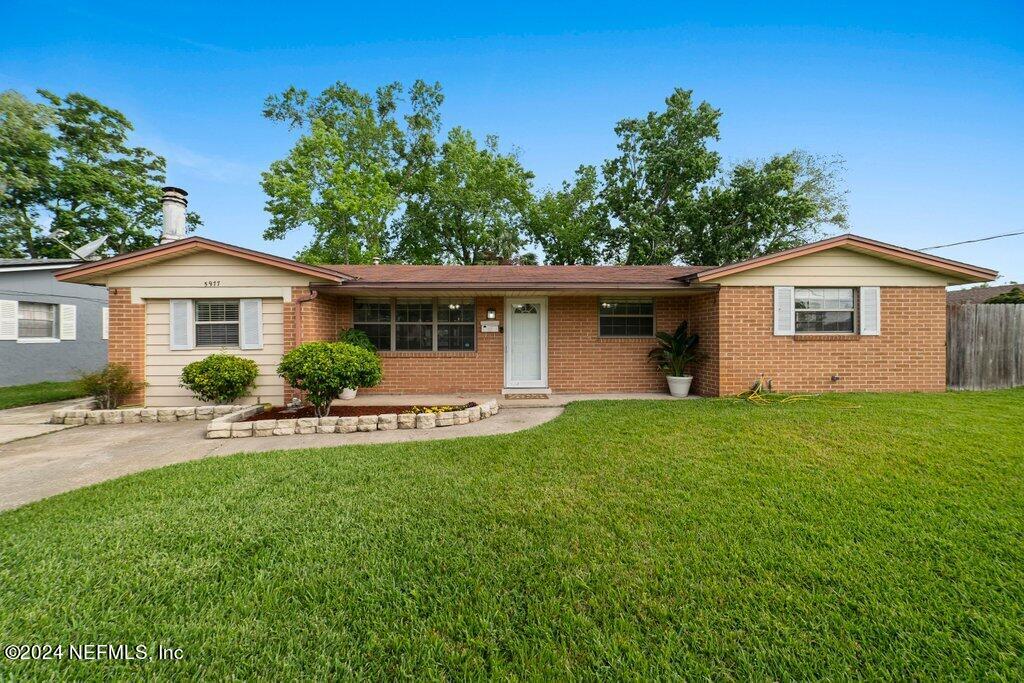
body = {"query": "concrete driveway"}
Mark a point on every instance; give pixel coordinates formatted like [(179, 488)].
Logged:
[(67, 458)]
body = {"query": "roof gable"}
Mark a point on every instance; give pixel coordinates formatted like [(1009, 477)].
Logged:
[(97, 271), (952, 272)]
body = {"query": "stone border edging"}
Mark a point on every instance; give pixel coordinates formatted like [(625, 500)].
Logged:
[(236, 425), (86, 414)]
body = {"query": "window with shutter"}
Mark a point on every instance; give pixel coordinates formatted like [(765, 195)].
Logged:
[(784, 321), (250, 324), (8, 319), (181, 324), (870, 311)]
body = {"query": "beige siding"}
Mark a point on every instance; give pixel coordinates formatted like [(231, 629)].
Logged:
[(163, 366), (196, 270), (837, 267)]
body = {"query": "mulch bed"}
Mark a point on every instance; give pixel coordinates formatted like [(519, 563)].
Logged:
[(283, 413)]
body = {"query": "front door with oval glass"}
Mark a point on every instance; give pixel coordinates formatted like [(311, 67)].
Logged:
[(526, 343)]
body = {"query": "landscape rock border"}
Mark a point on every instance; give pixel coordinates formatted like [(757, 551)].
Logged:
[(87, 414), (238, 425)]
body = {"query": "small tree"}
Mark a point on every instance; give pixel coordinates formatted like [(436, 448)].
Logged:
[(110, 386), (324, 369), (220, 378)]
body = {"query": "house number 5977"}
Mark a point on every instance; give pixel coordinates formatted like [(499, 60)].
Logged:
[(211, 283)]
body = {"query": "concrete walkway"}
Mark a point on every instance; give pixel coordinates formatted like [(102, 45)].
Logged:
[(23, 423), (70, 458)]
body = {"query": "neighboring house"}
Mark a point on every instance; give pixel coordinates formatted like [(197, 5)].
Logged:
[(978, 295), (843, 314), (49, 330)]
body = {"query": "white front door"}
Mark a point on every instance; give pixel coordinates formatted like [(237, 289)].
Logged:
[(526, 342)]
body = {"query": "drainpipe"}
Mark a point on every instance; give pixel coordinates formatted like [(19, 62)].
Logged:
[(298, 314)]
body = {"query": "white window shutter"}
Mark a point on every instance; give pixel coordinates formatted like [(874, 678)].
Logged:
[(68, 322), (870, 311), (182, 330), (785, 324), (105, 334), (8, 319), (250, 321)]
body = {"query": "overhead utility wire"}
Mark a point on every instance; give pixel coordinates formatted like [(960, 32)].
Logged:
[(980, 239)]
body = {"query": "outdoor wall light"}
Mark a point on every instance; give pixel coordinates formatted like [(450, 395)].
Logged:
[(491, 314)]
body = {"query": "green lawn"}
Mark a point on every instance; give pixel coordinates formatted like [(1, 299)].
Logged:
[(861, 536), (42, 392)]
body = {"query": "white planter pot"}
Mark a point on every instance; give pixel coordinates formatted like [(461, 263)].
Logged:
[(348, 394), (679, 386)]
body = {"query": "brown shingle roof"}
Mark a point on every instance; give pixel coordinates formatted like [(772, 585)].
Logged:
[(515, 275), (977, 295)]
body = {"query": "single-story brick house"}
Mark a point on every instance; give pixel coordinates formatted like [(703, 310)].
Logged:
[(843, 314)]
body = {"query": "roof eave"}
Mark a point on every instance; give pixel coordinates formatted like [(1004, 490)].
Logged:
[(963, 272), (135, 258)]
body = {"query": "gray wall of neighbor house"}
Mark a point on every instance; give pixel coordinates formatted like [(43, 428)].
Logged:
[(27, 360)]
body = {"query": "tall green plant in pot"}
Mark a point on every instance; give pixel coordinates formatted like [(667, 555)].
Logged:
[(362, 340), (673, 354)]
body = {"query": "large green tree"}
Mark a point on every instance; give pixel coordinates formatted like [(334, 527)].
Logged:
[(569, 223), (468, 207), (670, 199), (349, 172), (762, 207), (66, 165), (651, 185)]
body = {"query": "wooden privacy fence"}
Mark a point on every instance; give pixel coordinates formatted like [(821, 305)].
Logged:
[(984, 346)]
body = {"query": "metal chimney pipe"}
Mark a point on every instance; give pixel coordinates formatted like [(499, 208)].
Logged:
[(174, 203)]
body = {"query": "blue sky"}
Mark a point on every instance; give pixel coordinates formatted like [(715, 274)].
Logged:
[(924, 101)]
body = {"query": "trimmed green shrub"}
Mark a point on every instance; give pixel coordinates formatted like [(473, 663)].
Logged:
[(220, 378), (357, 338), (110, 386), (324, 369)]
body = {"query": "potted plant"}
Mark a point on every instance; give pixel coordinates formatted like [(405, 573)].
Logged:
[(673, 354), (362, 340)]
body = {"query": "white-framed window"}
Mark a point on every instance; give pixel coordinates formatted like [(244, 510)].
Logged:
[(825, 310), (828, 310), (38, 321), (216, 322), (29, 322), (626, 318), (417, 324)]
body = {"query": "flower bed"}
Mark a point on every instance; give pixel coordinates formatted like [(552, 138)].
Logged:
[(237, 425), (286, 413), (86, 413)]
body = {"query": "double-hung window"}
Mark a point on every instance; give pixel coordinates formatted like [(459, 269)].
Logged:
[(626, 318), (37, 321), (417, 324), (216, 323), (825, 310)]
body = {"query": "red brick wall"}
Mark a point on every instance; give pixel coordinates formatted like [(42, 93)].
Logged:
[(909, 355), (578, 359), (702, 314), (127, 337), (423, 372), (321, 321)]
